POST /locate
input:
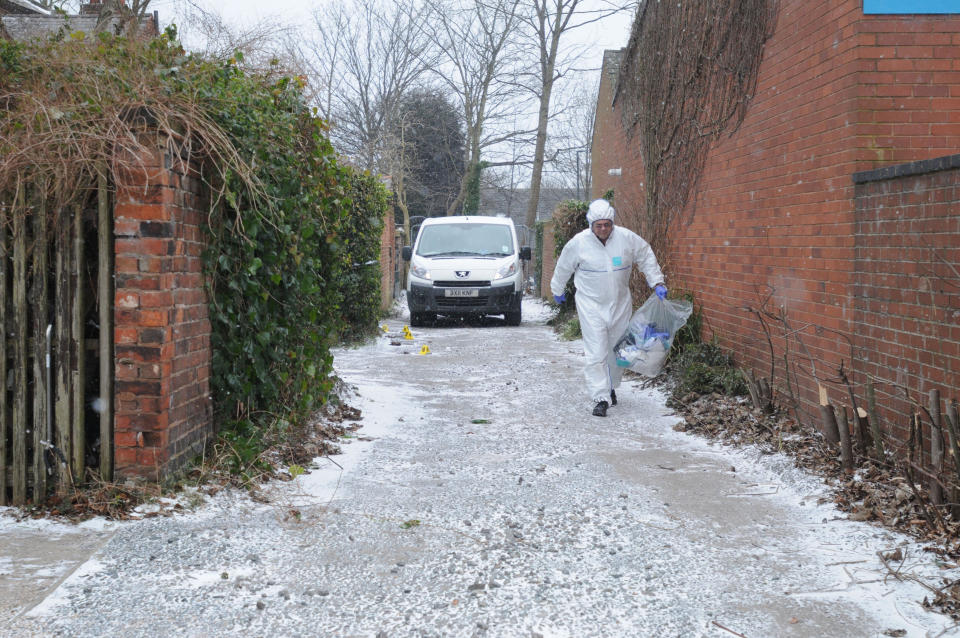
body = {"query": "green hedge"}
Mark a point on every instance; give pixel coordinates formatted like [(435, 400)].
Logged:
[(291, 230), (359, 234), (274, 260), (569, 219)]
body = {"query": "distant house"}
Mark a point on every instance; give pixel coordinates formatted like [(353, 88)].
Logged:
[(21, 7), (513, 203), (24, 20)]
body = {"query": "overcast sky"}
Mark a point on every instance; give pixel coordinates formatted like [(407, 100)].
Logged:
[(611, 33)]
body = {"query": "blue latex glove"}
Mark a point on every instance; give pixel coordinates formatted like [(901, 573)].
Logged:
[(560, 298), (661, 291)]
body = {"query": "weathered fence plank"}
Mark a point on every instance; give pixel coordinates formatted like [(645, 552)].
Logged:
[(77, 349), (41, 363), (4, 420), (20, 368), (105, 299), (63, 322)]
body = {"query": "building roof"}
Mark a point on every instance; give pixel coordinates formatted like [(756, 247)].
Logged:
[(39, 24), (21, 7), (513, 203)]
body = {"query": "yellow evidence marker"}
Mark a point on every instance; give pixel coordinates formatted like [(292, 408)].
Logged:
[(424, 349), (385, 328)]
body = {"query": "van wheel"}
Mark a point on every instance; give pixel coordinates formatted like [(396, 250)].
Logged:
[(416, 319), (513, 318)]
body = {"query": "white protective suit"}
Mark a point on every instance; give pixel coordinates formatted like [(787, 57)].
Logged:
[(604, 305)]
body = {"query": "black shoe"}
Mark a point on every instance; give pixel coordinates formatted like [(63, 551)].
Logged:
[(600, 409), (613, 397)]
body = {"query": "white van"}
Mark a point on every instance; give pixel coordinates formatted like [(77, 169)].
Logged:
[(462, 266)]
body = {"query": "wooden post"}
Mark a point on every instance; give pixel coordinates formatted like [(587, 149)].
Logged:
[(953, 427), (936, 448), (62, 425), (863, 432), (4, 421), (830, 430), (20, 370), (77, 349), (105, 297), (874, 422), (846, 450), (41, 436)]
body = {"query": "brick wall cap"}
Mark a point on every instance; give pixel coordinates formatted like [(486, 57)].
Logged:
[(909, 169)]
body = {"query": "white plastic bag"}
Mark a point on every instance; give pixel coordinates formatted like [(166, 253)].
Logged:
[(644, 346)]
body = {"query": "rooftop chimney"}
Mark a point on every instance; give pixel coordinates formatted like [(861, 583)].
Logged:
[(92, 8)]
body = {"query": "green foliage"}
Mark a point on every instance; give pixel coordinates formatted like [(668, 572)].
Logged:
[(274, 261), (471, 202), (570, 328), (359, 234), (10, 58), (538, 251), (570, 218), (689, 334), (704, 368), (433, 144), (287, 223)]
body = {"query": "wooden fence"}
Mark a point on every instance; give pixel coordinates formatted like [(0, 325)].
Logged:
[(56, 361)]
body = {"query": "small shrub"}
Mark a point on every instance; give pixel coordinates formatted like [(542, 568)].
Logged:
[(704, 368), (570, 330), (689, 334)]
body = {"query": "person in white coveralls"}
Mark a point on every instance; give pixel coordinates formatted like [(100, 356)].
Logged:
[(601, 258)]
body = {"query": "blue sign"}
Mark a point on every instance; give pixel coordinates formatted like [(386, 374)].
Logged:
[(911, 6)]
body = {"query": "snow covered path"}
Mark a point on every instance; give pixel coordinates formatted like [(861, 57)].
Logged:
[(481, 498)]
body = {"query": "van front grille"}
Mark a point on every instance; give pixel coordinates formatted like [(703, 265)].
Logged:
[(461, 284), (461, 302)]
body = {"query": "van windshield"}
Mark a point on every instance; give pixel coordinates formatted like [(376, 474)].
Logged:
[(465, 240)]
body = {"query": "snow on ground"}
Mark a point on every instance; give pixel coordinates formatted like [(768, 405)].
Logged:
[(480, 499), (534, 309)]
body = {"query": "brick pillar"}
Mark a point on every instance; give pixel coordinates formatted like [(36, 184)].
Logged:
[(387, 258), (162, 329), (547, 260)]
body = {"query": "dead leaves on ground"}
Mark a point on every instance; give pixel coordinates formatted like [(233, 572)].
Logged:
[(876, 492)]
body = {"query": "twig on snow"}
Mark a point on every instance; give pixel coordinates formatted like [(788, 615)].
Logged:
[(727, 629)]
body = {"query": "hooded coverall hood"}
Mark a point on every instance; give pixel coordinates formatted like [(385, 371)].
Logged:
[(600, 209)]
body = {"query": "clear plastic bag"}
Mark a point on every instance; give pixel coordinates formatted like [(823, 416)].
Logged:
[(644, 346)]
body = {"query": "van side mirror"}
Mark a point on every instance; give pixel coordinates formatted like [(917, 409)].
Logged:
[(406, 253), (525, 253)]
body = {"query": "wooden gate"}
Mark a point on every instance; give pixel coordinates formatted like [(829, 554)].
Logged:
[(56, 359)]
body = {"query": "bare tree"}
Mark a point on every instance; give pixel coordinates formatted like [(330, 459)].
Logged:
[(208, 32), (571, 135), (477, 38), (548, 21), (363, 58)]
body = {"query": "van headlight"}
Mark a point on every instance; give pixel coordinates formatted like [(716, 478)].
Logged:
[(506, 270), (419, 270)]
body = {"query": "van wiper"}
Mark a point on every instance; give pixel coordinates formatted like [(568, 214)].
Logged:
[(454, 253)]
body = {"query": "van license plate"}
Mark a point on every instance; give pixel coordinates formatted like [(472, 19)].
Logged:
[(460, 292)]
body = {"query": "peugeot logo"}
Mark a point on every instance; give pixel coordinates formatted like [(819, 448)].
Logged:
[(462, 274)]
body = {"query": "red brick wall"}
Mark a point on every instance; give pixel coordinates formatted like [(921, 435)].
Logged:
[(906, 284), (388, 258), (548, 260), (162, 329), (774, 214)]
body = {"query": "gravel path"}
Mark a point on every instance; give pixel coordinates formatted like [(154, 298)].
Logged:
[(482, 499)]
